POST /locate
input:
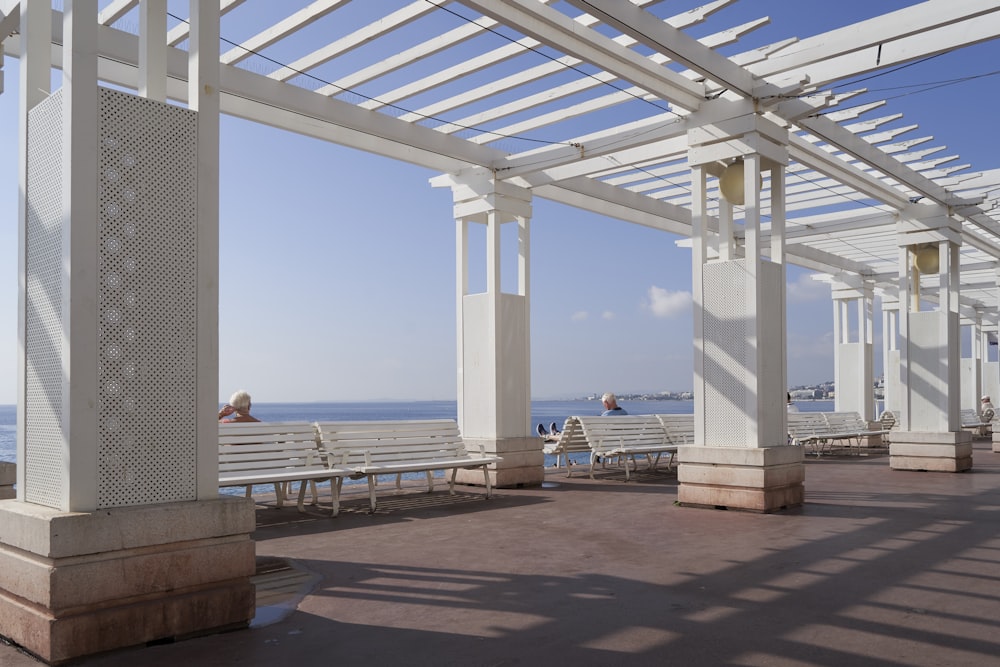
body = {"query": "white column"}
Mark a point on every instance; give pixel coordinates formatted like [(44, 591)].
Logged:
[(80, 308), (493, 335), (34, 87), (930, 344), (890, 353), (853, 355), (971, 367), (740, 434), (203, 97), (153, 49)]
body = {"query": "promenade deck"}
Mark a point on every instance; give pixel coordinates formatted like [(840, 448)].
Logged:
[(879, 567)]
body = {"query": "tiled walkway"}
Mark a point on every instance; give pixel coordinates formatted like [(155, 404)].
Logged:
[(879, 567)]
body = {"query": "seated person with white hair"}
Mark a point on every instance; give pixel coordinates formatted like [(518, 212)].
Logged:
[(239, 405), (611, 407), (986, 410)]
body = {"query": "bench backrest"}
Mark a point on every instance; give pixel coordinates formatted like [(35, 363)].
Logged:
[(608, 433), (680, 428), (571, 439), (252, 447), (358, 443), (845, 422), (806, 424)]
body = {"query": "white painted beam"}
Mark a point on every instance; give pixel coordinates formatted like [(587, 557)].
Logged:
[(280, 30), (562, 33)]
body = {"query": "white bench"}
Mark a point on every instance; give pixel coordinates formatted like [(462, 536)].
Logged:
[(373, 448), (627, 436), (680, 428), (981, 425), (851, 427), (571, 441), (276, 453), (809, 429)]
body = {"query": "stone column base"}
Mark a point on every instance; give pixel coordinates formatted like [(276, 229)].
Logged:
[(523, 463), (75, 584), (931, 452), (8, 477), (759, 480)]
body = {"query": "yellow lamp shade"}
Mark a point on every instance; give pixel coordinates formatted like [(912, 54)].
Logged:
[(731, 183), (926, 259)]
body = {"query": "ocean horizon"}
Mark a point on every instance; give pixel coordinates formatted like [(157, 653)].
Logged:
[(542, 412)]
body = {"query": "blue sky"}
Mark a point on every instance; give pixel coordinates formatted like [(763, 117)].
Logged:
[(338, 267)]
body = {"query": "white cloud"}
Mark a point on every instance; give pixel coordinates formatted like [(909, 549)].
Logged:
[(579, 316), (807, 289), (607, 315), (664, 303)]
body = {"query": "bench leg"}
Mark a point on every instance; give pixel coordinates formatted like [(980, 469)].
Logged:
[(303, 485), (312, 484), (489, 487), (279, 494), (335, 485), (430, 481), (451, 481), (625, 461), (371, 492)]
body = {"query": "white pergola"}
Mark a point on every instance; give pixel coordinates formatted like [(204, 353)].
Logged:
[(494, 72), (637, 110)]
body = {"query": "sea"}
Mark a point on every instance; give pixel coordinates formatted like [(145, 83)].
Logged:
[(542, 412)]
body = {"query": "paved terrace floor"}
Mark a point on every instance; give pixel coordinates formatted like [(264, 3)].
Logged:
[(879, 567)]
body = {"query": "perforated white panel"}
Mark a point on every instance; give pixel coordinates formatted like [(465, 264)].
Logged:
[(147, 179), (43, 464), (726, 329)]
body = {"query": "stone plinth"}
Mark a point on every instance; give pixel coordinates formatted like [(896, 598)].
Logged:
[(8, 477), (931, 452), (523, 463), (760, 480), (74, 584)]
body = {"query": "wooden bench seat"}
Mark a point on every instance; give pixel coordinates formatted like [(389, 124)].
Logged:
[(372, 448), (278, 453), (627, 437)]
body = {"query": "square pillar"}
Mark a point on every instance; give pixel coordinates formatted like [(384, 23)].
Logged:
[(494, 342), (117, 535), (930, 436), (853, 355), (740, 458)]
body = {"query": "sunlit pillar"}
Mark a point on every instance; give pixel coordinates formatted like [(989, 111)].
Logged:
[(117, 536), (493, 335), (740, 457), (971, 365), (890, 351), (853, 354), (931, 437)]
